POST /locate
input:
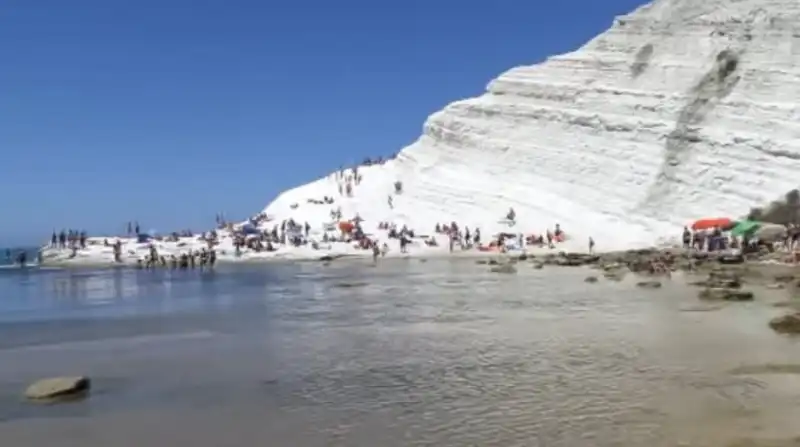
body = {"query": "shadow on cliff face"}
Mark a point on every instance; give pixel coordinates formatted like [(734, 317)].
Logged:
[(716, 84), (642, 60), (780, 211)]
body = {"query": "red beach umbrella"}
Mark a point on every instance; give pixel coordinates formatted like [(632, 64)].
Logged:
[(707, 223)]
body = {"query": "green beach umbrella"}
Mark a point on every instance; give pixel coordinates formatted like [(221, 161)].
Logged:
[(744, 227)]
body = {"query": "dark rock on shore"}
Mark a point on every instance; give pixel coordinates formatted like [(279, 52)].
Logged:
[(590, 279), (649, 284)]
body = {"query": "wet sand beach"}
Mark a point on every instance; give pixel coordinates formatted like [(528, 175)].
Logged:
[(404, 353)]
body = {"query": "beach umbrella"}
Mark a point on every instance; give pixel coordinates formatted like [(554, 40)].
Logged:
[(770, 232), (711, 222), (745, 227), (346, 227)]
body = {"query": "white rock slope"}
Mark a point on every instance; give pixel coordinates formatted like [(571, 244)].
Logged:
[(682, 109)]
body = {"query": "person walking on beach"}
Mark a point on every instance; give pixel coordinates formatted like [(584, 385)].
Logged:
[(376, 251)]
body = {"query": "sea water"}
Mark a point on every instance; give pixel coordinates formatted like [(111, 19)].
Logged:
[(440, 353)]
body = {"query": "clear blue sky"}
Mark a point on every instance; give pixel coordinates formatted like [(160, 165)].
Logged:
[(169, 111)]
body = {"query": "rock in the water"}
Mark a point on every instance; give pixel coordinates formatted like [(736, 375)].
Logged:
[(523, 257), (538, 265), (649, 284), (720, 279), (725, 294), (481, 262), (786, 324), (505, 268), (784, 278), (347, 285), (58, 388), (590, 279), (731, 259), (776, 286), (613, 276)]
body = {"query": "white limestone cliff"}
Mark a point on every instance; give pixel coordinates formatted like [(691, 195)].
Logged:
[(683, 109)]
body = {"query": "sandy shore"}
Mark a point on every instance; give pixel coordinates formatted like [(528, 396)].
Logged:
[(97, 256)]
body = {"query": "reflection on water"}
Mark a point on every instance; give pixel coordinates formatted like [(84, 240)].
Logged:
[(405, 353)]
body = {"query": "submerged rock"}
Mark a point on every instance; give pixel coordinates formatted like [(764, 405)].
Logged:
[(346, 285), (649, 284), (731, 259), (720, 279), (725, 294), (590, 279), (786, 324), (506, 268), (784, 278), (538, 265), (58, 388)]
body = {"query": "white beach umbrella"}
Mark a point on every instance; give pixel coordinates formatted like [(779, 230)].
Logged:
[(770, 232)]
